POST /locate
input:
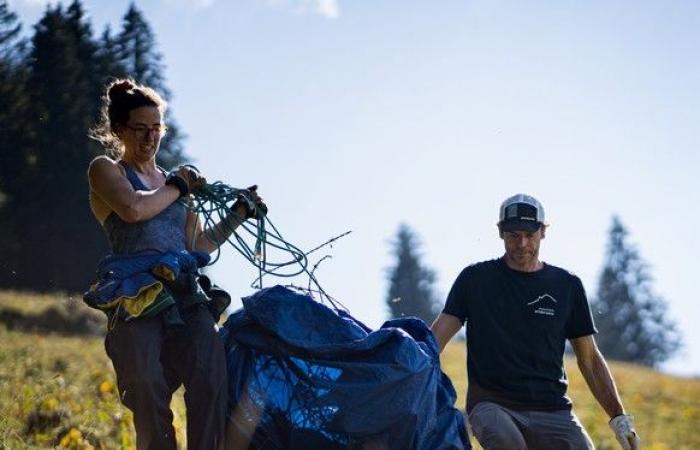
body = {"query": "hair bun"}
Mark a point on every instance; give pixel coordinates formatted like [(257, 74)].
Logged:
[(119, 88)]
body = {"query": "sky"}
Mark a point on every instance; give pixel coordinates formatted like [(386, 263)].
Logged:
[(361, 115)]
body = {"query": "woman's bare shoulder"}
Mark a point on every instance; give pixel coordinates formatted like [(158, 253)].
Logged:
[(103, 161), (101, 172), (103, 165)]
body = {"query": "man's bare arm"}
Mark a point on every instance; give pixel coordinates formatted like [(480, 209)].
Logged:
[(597, 375), (444, 327)]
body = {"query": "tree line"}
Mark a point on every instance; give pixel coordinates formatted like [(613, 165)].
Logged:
[(51, 83), (50, 91), (631, 318)]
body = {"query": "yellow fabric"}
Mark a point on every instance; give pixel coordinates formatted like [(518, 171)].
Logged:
[(163, 272), (146, 295)]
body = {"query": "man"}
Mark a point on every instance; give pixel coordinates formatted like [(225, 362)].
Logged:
[(519, 312)]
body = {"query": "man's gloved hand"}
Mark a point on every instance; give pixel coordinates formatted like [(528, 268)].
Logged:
[(626, 435), (243, 208), (186, 179)]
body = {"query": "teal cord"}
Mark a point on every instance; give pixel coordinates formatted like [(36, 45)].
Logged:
[(213, 203)]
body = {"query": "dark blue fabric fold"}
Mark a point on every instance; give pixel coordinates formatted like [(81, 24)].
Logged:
[(304, 376), (125, 275)]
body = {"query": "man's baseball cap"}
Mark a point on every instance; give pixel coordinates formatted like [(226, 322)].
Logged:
[(521, 212)]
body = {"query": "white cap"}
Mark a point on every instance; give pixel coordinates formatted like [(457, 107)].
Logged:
[(521, 212)]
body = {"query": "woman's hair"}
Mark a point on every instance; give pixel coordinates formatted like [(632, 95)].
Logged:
[(121, 96)]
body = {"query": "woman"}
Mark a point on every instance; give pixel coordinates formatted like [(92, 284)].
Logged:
[(161, 332)]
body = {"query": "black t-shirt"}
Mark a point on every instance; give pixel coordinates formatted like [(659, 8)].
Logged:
[(517, 326)]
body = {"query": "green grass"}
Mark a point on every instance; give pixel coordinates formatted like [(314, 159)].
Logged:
[(34, 303), (58, 391), (666, 408)]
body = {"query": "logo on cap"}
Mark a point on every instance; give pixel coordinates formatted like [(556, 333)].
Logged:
[(521, 212)]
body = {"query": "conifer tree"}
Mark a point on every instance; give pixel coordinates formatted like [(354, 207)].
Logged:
[(50, 94), (138, 53), (13, 101), (632, 320), (109, 65), (61, 242), (13, 130), (10, 29), (411, 291), (86, 52)]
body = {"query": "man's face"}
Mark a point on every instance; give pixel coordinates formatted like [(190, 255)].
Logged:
[(523, 247)]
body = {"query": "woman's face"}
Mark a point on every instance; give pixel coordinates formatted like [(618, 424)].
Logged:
[(142, 133)]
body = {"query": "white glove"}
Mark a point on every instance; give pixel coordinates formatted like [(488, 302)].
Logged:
[(626, 435)]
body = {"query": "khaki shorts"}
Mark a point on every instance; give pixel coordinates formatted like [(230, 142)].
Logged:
[(500, 428)]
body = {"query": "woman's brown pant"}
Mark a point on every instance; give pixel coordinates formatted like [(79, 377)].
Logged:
[(151, 361)]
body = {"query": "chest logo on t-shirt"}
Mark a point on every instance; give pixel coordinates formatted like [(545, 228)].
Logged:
[(544, 304)]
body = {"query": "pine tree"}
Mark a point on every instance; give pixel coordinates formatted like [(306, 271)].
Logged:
[(631, 319), (87, 53), (14, 128), (138, 54), (411, 291), (10, 29), (60, 240), (109, 65), (50, 94), (13, 100)]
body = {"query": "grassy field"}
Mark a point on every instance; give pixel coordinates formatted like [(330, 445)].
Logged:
[(59, 392), (666, 409)]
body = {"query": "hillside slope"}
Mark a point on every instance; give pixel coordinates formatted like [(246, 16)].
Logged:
[(666, 408), (58, 390)]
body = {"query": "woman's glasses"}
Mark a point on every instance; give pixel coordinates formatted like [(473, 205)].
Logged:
[(143, 130)]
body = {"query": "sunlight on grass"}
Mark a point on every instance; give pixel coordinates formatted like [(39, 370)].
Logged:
[(666, 409), (60, 392)]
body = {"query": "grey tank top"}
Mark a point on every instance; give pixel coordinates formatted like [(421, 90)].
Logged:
[(164, 232)]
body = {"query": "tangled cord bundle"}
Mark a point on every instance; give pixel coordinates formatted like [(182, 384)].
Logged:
[(213, 203)]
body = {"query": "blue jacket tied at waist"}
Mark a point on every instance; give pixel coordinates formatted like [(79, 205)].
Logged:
[(134, 282)]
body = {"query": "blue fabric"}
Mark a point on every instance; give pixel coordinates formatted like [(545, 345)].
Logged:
[(125, 275), (315, 378)]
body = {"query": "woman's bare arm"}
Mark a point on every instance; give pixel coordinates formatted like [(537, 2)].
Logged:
[(111, 185)]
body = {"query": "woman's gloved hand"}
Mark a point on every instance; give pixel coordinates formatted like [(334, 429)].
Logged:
[(243, 208), (186, 179)]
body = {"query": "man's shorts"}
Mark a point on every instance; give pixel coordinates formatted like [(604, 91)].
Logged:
[(500, 428)]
